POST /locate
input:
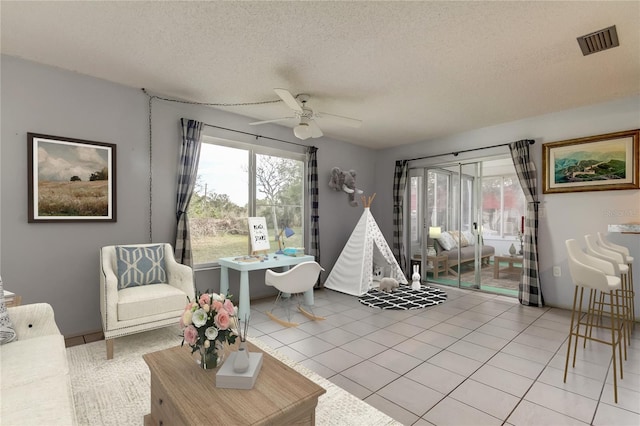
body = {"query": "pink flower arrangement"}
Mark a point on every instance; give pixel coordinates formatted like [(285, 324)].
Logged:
[(208, 320)]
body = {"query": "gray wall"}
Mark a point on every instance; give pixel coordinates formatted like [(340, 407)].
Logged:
[(58, 263), (562, 216)]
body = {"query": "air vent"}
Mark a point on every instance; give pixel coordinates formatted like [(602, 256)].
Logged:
[(599, 41)]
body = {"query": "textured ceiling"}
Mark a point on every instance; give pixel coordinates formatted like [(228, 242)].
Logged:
[(411, 71)]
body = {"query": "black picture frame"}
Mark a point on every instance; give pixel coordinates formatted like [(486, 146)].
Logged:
[(70, 180)]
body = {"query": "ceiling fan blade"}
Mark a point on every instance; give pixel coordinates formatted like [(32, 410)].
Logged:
[(345, 121), (288, 99), (270, 121), (315, 130)]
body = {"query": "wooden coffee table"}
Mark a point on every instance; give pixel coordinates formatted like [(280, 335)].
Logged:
[(182, 393), (510, 260)]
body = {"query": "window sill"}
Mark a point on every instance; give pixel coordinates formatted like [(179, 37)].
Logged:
[(206, 267)]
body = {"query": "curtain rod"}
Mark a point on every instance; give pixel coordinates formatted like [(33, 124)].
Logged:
[(151, 97), (455, 153), (256, 136)]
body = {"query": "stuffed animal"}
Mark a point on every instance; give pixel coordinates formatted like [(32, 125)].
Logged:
[(388, 284), (415, 285), (378, 273), (345, 181)]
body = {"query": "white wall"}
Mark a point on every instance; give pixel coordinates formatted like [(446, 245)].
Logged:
[(58, 262), (562, 216)]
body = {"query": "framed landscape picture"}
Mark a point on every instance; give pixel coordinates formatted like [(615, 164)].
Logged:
[(595, 163), (70, 180)]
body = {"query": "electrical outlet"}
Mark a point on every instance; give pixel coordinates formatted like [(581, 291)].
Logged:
[(557, 272)]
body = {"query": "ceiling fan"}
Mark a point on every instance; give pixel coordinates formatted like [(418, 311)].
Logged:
[(307, 127)]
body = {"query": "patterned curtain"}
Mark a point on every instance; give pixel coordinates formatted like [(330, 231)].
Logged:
[(399, 186), (312, 185), (187, 173), (530, 291)]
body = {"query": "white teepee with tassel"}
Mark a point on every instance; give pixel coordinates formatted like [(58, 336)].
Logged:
[(366, 247)]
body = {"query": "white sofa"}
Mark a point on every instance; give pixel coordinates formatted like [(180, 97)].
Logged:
[(35, 386)]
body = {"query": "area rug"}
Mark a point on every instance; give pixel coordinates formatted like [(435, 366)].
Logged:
[(404, 298), (117, 392)]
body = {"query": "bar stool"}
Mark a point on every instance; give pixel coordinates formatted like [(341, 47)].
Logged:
[(621, 270), (624, 251), (597, 276)]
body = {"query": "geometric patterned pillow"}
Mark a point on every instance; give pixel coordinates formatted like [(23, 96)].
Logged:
[(140, 265), (7, 333)]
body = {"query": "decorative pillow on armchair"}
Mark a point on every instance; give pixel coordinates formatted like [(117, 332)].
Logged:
[(140, 265), (447, 241)]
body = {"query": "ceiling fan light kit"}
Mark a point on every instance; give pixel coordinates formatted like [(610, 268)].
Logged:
[(307, 127), (302, 131)]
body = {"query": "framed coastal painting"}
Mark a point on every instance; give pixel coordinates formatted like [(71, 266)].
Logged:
[(594, 163), (70, 180)]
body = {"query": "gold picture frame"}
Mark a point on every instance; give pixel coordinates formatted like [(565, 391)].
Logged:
[(595, 163)]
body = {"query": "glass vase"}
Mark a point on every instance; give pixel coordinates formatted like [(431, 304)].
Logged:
[(213, 357), (241, 361)]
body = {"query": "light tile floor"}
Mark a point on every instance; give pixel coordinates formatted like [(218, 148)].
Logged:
[(477, 359)]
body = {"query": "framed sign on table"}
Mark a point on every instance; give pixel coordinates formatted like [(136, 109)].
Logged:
[(70, 180), (258, 234), (594, 163)]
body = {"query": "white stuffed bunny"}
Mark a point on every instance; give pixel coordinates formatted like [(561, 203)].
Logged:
[(415, 285)]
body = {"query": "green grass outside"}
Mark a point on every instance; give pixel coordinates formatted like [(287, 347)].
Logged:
[(209, 249)]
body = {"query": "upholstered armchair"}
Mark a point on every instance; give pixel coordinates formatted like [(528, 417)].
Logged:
[(142, 287)]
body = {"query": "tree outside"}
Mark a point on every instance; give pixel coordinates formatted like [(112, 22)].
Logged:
[(219, 226)]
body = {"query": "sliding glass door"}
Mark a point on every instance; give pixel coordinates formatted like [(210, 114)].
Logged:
[(464, 217)]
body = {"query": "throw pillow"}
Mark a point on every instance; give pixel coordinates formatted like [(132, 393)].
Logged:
[(7, 333), (447, 241), (461, 241), (140, 265), (471, 239)]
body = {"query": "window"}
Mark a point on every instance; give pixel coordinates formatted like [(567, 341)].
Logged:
[(503, 206), (443, 196), (236, 181)]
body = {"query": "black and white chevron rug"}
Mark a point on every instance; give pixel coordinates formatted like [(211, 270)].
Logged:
[(404, 298)]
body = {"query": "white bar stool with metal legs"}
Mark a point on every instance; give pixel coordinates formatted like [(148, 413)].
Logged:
[(622, 270), (596, 275), (624, 251)]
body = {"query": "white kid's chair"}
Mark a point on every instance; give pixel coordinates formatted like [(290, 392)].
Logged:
[(299, 279), (142, 288)]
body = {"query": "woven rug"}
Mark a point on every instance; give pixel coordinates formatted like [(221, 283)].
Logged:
[(404, 298), (117, 392)]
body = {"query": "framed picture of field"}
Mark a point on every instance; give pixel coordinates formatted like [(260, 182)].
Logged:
[(70, 180), (594, 163)]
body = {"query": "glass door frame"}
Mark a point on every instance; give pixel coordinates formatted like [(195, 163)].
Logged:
[(456, 214)]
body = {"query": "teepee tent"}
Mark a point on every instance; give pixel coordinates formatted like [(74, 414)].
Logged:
[(366, 248)]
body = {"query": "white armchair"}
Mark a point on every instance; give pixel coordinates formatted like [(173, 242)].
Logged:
[(142, 288)]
